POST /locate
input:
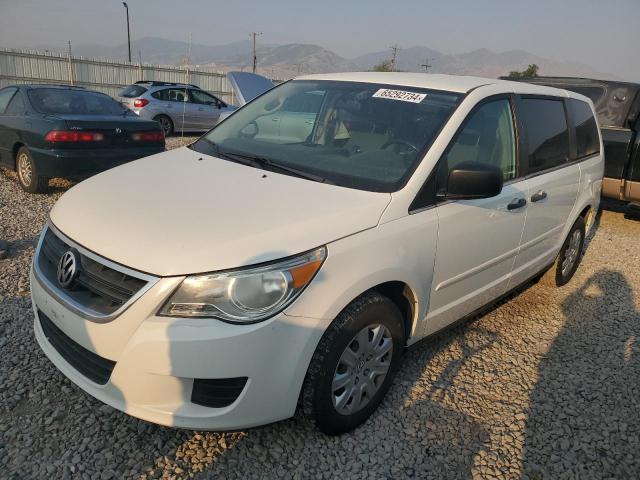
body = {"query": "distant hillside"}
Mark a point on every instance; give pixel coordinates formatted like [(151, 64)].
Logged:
[(286, 61), (481, 62)]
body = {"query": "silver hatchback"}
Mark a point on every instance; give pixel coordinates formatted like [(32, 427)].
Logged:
[(185, 107), (175, 106)]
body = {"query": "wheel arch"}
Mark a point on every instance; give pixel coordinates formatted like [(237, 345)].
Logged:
[(14, 152), (403, 296)]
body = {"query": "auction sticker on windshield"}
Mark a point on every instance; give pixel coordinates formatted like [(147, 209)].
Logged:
[(401, 95)]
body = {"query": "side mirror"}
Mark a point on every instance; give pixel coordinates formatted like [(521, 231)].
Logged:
[(474, 180)]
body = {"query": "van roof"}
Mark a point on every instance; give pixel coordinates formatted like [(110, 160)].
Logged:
[(434, 81)]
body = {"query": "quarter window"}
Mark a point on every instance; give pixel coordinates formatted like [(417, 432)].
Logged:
[(545, 123), (5, 97), (487, 137), (587, 138), (16, 106)]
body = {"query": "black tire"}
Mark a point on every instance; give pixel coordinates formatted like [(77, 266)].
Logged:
[(166, 124), (555, 276), (370, 309), (28, 176)]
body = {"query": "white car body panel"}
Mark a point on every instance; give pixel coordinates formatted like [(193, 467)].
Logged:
[(477, 243), (234, 208), (182, 212)]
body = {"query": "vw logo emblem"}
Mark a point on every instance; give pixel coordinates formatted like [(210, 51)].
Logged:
[(67, 269)]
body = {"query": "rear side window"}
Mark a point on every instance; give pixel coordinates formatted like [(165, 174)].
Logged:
[(171, 95), (133, 91), (587, 138), (545, 124), (5, 97)]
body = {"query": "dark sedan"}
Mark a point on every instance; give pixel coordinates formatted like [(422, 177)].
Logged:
[(62, 131)]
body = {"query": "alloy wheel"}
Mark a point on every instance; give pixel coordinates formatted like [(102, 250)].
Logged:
[(25, 169), (165, 124), (362, 368)]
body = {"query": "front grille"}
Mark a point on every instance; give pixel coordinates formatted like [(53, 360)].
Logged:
[(92, 366), (217, 392), (97, 288)]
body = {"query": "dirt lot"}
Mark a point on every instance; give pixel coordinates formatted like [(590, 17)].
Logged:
[(546, 385)]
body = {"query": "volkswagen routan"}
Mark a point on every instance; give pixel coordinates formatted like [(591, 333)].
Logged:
[(287, 258)]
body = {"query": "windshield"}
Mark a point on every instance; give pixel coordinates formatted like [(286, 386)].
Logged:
[(76, 102), (358, 135)]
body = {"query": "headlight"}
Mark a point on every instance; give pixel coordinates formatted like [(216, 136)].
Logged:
[(247, 295)]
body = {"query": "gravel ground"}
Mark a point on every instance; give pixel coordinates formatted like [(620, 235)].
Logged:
[(543, 386)]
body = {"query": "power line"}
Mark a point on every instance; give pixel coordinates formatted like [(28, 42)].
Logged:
[(426, 65)]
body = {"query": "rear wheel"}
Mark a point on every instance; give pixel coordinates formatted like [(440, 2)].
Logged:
[(27, 172), (354, 364), (165, 123), (569, 257)]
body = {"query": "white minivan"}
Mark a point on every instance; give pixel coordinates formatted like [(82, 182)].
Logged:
[(288, 256)]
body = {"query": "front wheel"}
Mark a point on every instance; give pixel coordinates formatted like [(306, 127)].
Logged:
[(354, 364), (27, 172)]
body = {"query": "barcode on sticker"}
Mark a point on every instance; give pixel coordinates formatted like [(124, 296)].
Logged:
[(401, 95)]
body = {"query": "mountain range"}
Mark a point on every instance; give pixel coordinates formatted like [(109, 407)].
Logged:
[(286, 61)]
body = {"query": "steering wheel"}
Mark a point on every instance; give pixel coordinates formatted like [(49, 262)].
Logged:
[(400, 142)]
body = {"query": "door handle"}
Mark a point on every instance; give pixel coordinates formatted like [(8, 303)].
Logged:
[(539, 195), (200, 109), (516, 203), (275, 119)]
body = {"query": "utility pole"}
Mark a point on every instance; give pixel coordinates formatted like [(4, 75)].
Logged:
[(140, 65), (255, 58), (70, 64), (394, 56), (128, 31), (426, 65)]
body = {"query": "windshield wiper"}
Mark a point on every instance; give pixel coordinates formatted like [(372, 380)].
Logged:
[(263, 162)]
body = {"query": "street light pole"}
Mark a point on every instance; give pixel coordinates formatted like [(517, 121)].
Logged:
[(128, 32)]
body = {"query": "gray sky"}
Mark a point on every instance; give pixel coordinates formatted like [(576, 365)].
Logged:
[(603, 34)]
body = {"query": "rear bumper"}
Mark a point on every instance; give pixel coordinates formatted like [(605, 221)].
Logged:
[(83, 163)]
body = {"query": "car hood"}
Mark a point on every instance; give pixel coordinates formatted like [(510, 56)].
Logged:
[(183, 212), (247, 86)]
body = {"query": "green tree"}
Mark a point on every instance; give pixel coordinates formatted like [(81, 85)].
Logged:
[(384, 66), (531, 71)]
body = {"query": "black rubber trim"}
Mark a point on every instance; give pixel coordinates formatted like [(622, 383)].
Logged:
[(217, 392), (94, 367)]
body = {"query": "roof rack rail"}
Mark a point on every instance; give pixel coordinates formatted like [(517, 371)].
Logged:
[(156, 83)]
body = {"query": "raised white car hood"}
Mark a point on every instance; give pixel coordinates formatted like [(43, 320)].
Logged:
[(183, 212)]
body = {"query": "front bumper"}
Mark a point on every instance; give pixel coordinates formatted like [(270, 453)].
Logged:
[(158, 358), (80, 163)]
